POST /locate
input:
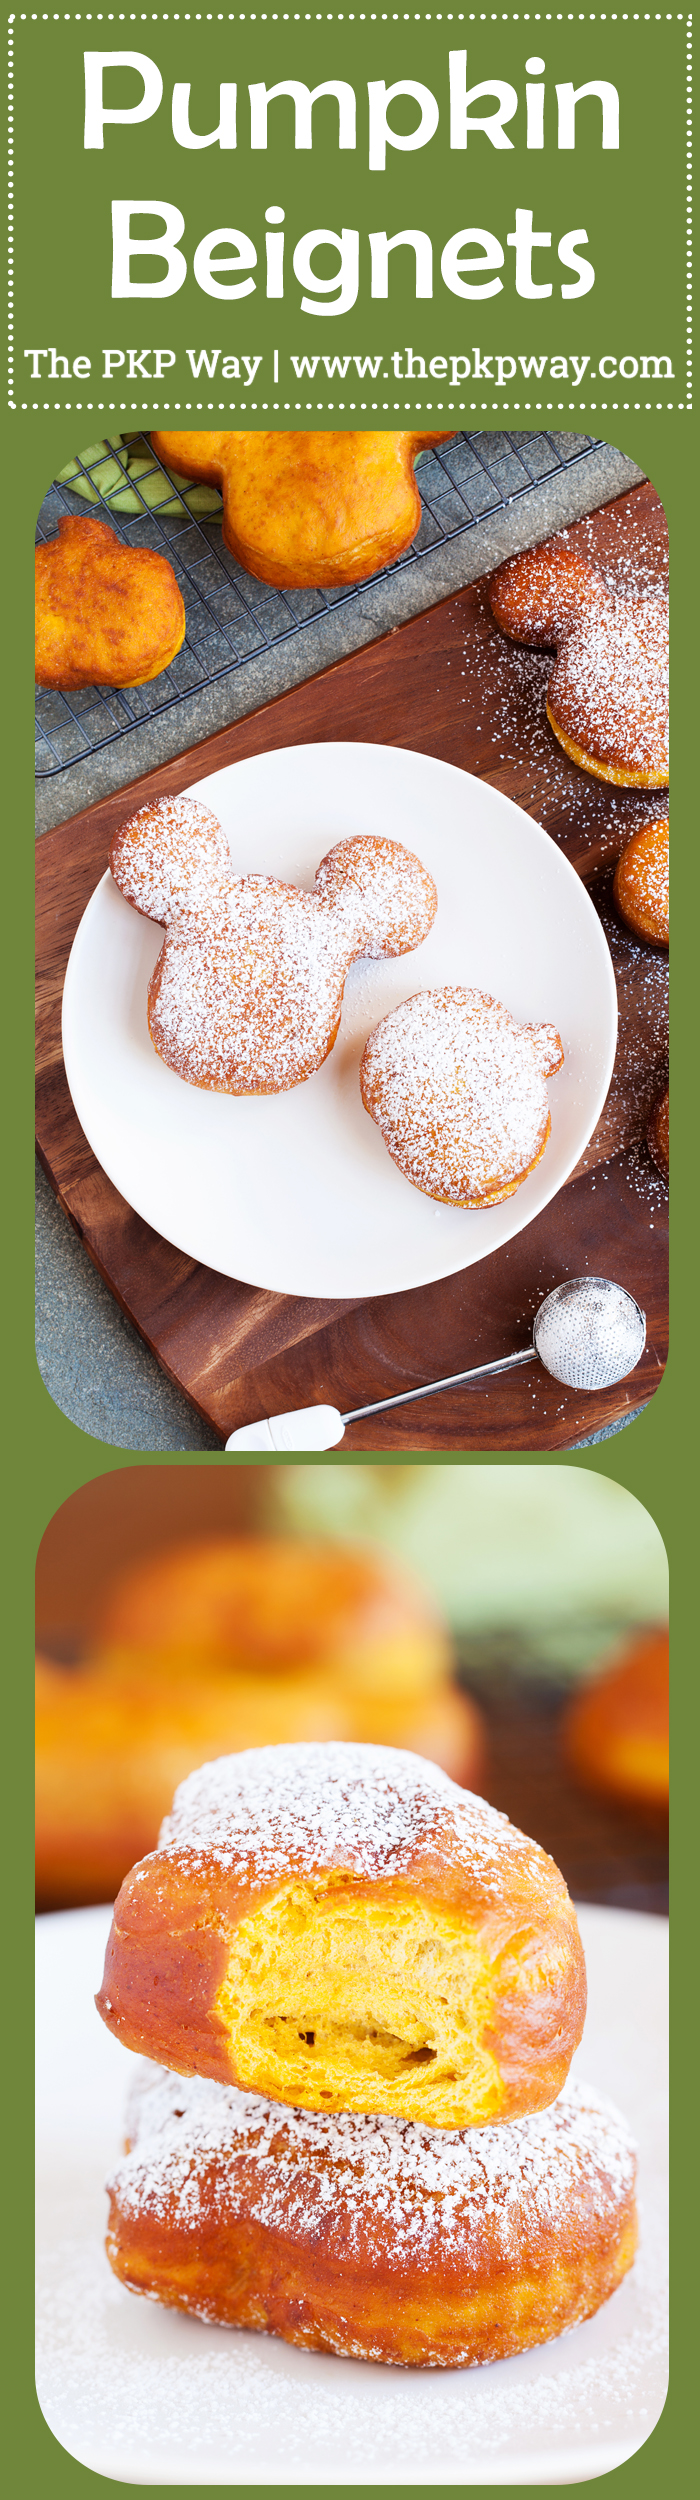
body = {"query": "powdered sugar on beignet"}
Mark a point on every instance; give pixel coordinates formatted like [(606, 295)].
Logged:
[(373, 2236), (607, 700), (457, 1089), (247, 993)]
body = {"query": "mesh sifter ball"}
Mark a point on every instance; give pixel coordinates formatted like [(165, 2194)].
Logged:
[(589, 1332)]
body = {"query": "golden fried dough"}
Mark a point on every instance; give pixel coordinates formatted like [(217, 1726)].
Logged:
[(247, 992), (271, 1607), (106, 614), (308, 509), (607, 699), (640, 884), (368, 2236), (457, 1089), (341, 1927)]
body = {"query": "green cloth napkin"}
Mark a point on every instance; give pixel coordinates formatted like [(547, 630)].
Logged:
[(123, 462)]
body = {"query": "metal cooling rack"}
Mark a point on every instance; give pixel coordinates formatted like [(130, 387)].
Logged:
[(230, 616)]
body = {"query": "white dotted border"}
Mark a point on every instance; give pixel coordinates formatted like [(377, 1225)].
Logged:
[(352, 17), (11, 213), (689, 213), (362, 17)]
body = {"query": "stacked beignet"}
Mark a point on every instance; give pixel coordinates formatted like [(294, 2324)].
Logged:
[(399, 1973), (371, 2236)]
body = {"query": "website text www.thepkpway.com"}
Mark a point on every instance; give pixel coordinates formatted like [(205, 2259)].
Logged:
[(444, 381)]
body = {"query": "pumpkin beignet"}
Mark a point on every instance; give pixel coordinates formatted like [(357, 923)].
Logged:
[(106, 614), (607, 699), (340, 1927), (308, 510), (368, 2236), (457, 1090), (247, 993), (278, 1607), (640, 883)]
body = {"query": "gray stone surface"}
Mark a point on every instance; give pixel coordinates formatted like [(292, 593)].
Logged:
[(609, 1430), (93, 1362), (91, 1359)]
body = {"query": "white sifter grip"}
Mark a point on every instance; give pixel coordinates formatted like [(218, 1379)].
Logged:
[(307, 1428), (588, 1333)]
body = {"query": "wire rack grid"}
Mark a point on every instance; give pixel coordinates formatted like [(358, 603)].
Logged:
[(230, 616)]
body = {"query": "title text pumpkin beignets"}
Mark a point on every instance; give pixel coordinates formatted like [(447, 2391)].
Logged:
[(340, 1927)]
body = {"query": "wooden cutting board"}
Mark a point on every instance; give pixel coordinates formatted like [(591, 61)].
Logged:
[(450, 684)]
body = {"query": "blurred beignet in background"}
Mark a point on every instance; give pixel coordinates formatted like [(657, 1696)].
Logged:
[(106, 614), (281, 1608), (615, 1732), (218, 1646), (369, 2236), (340, 1927)]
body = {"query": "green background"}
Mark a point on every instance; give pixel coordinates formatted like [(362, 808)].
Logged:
[(631, 204), (633, 209)]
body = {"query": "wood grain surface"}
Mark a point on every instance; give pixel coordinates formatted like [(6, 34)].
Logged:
[(451, 685)]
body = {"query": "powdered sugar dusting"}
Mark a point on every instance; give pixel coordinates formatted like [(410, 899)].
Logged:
[(168, 855), (608, 692), (609, 689), (365, 1808), (505, 687), (252, 1005), (457, 1089), (641, 1065), (377, 2183), (247, 992)]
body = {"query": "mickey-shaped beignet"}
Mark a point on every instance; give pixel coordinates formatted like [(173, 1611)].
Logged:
[(607, 699), (247, 992), (457, 1089), (308, 509), (106, 615), (640, 885)]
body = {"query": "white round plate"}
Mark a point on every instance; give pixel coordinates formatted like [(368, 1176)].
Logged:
[(145, 2395), (296, 1192)]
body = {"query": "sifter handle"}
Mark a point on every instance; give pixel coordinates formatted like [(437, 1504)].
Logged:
[(306, 1428)]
